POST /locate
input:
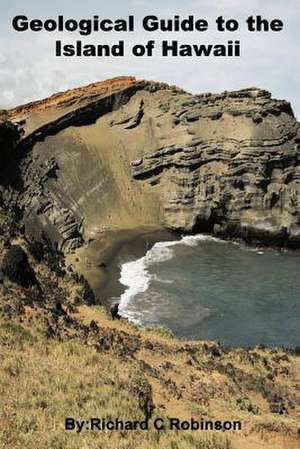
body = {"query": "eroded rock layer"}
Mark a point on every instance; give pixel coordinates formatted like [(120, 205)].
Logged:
[(127, 153), (239, 173)]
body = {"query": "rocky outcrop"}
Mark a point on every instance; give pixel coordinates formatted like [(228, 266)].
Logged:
[(127, 153), (238, 175), (9, 137), (16, 267), (230, 185)]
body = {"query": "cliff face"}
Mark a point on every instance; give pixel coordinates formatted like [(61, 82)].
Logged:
[(237, 173), (127, 153)]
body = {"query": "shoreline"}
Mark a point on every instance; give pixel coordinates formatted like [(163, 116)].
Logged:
[(100, 261)]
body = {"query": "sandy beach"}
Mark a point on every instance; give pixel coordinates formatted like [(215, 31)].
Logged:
[(101, 259)]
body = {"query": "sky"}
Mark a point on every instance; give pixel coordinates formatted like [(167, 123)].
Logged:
[(29, 69)]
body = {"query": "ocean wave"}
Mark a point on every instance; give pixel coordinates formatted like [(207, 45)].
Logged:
[(136, 277), (193, 240)]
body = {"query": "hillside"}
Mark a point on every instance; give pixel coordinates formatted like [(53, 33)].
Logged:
[(63, 358)]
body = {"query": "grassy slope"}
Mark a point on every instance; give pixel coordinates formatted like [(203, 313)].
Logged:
[(56, 364)]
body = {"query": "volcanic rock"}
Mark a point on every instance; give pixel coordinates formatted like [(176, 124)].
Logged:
[(126, 153), (16, 267)]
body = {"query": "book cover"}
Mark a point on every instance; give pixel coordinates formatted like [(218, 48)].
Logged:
[(149, 224)]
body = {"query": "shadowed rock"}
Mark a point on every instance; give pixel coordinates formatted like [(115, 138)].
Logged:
[(114, 310), (16, 267)]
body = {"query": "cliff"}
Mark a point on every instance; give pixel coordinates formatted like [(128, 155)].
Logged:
[(125, 153)]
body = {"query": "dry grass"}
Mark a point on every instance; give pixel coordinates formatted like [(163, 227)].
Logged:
[(85, 371), (43, 382)]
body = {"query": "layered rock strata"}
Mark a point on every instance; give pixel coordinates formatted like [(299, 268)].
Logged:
[(127, 153)]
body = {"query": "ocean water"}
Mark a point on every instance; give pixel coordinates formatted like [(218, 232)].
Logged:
[(205, 288)]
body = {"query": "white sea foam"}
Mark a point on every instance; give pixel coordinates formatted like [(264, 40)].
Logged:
[(193, 240), (136, 277)]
